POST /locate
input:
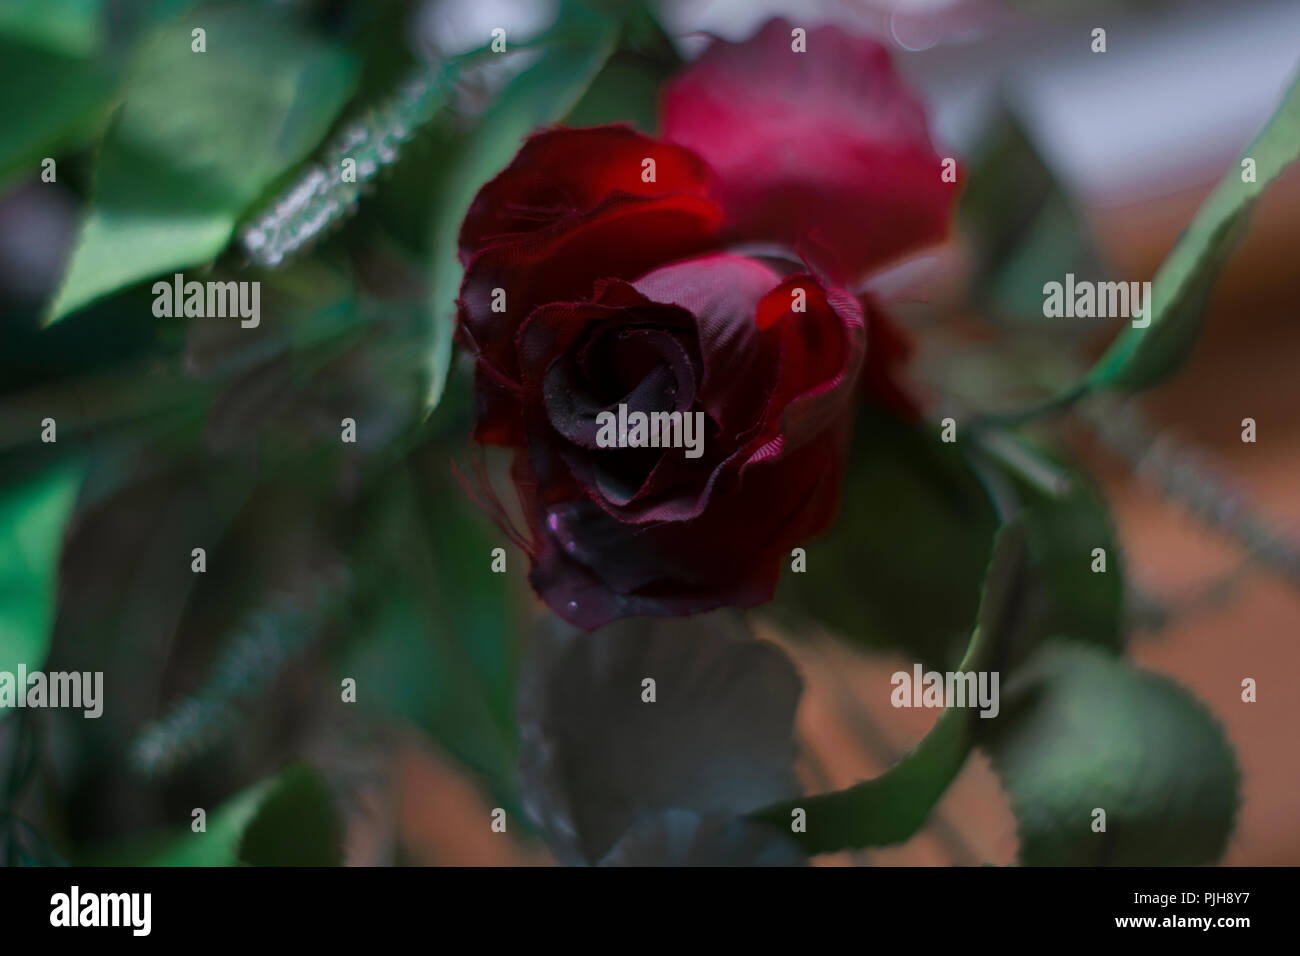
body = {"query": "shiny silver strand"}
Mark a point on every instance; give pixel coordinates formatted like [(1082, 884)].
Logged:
[(320, 197)]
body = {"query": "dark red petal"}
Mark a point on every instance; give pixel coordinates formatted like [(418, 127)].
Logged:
[(676, 488), (560, 174), (723, 293), (826, 150), (621, 238), (591, 568), (821, 351)]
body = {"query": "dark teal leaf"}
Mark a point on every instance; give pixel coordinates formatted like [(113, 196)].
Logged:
[(597, 765), (1021, 226), (53, 102), (914, 521), (1081, 730), (1063, 595), (625, 91)]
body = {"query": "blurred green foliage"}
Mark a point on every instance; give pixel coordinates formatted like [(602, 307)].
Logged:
[(34, 508), (200, 135)]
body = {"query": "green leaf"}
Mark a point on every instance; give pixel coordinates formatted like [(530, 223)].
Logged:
[(199, 138), (436, 644), (893, 806), (626, 90), (1021, 224), (1063, 533), (871, 579), (34, 511), (1080, 730), (71, 27), (296, 825), (1140, 357), (1063, 595), (287, 820), (539, 96), (53, 102)]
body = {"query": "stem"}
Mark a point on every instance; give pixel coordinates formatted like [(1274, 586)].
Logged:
[(1152, 613), (884, 753), (1183, 475), (1059, 403), (319, 198), (1039, 472)]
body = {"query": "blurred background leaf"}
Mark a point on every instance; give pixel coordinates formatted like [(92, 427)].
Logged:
[(199, 137), (437, 639), (626, 90), (55, 102), (297, 824), (34, 511), (287, 820), (1021, 225), (70, 27)]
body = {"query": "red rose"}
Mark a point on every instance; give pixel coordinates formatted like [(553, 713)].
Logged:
[(572, 208), (607, 320)]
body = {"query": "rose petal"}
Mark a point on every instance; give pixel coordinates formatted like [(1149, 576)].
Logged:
[(826, 150), (592, 568), (622, 238), (561, 174), (723, 293)]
